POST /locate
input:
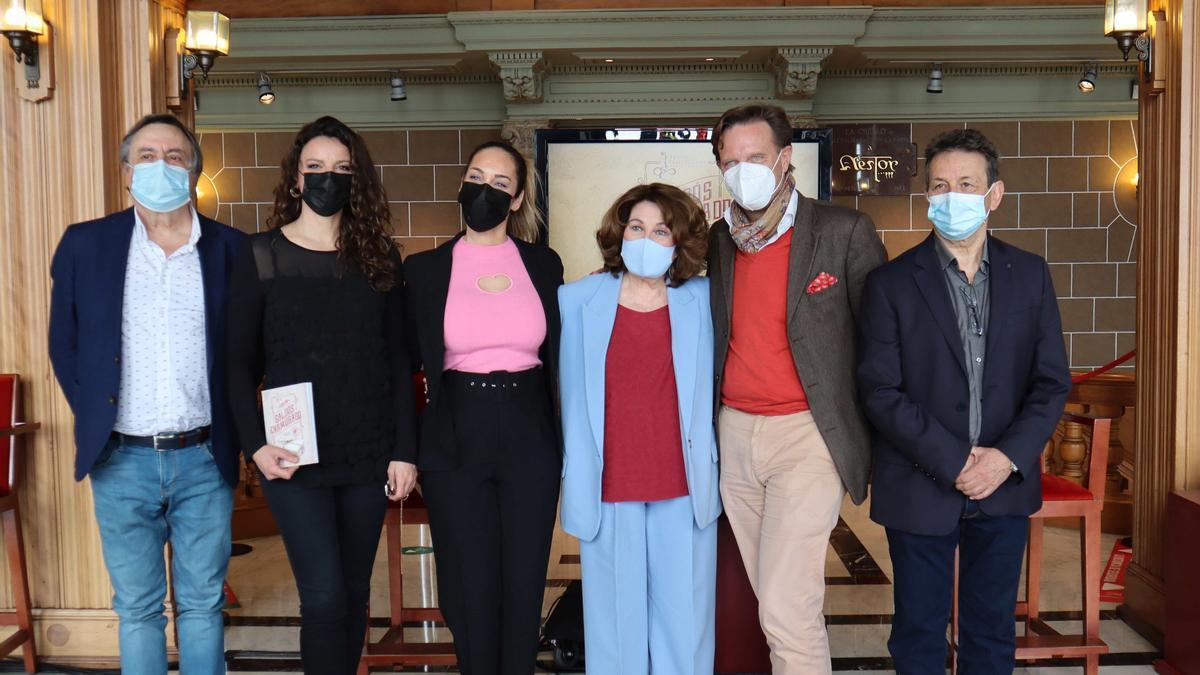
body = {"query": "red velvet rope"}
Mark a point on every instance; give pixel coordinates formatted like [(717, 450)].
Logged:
[(1083, 377)]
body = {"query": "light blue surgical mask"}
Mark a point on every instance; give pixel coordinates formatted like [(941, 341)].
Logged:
[(160, 187), (645, 258), (958, 215)]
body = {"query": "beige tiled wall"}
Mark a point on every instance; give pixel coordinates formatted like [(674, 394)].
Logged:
[(1069, 197), (421, 170)]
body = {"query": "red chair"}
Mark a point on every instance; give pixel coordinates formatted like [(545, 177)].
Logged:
[(392, 649), (11, 432), (1062, 498)]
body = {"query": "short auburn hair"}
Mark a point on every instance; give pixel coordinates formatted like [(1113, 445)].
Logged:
[(681, 213)]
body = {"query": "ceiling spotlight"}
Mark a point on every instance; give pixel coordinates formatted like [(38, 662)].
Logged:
[(266, 95), (398, 92), (935, 79), (1087, 83)]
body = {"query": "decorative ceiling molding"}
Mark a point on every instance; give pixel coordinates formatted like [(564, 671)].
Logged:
[(338, 79), (796, 70), (463, 40), (977, 27), (521, 73), (949, 70), (660, 56), (618, 69), (553, 64), (344, 42), (573, 30)]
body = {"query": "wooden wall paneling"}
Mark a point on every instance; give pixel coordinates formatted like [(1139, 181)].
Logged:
[(1168, 433), (1187, 18), (49, 147), (59, 165)]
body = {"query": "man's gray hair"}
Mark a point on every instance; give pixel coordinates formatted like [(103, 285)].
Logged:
[(170, 120)]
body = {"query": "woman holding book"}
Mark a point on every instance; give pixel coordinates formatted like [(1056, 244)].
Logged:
[(318, 299), (640, 484), (485, 318)]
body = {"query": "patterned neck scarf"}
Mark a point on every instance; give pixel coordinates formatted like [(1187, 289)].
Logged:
[(751, 237)]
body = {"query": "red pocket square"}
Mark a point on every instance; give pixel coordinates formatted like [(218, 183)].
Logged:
[(821, 282)]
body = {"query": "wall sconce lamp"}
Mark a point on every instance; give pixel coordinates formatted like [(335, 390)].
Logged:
[(1125, 22), (1135, 27), (207, 39), (29, 36)]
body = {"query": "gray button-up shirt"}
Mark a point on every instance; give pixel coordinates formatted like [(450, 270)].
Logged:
[(971, 305)]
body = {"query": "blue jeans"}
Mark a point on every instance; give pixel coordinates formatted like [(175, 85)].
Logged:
[(145, 498)]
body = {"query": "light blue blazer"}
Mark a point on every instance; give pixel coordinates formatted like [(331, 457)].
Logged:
[(589, 309)]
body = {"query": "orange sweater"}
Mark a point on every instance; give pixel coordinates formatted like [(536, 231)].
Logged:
[(760, 375)]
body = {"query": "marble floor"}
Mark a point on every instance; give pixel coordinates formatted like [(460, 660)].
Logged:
[(262, 634)]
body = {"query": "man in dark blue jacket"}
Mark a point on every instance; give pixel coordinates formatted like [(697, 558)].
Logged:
[(136, 326), (963, 375)]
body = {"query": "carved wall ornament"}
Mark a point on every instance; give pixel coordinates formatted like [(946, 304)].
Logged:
[(521, 73), (796, 70)]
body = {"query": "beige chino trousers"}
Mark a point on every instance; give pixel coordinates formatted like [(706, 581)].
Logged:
[(782, 495)]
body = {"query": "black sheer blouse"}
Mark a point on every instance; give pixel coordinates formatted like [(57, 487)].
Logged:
[(298, 315)]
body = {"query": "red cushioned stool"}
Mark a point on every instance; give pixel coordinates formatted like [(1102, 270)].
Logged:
[(11, 433), (1062, 498)]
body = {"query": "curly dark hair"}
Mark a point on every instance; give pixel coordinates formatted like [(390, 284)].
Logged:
[(362, 240), (967, 140), (683, 216)]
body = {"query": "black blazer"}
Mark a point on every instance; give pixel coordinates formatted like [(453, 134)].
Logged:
[(426, 285), (913, 379)]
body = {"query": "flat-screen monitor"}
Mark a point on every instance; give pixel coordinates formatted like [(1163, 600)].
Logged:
[(584, 171)]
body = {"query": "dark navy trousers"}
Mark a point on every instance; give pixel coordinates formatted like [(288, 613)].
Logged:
[(991, 549)]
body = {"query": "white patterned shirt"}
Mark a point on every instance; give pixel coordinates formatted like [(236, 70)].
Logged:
[(164, 359)]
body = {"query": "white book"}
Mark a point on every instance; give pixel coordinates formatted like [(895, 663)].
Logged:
[(291, 422)]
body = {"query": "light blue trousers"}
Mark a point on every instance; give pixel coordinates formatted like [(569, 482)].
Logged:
[(649, 591)]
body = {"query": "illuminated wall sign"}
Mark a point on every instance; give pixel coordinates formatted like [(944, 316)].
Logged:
[(872, 159)]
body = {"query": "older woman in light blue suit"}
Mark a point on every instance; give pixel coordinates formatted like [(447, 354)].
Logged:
[(640, 467)]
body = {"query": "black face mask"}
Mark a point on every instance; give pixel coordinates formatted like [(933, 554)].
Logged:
[(483, 206), (327, 193)]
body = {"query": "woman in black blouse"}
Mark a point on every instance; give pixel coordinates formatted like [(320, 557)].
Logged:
[(318, 298), (485, 322)]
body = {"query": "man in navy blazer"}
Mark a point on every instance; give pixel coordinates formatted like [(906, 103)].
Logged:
[(136, 323), (963, 375)]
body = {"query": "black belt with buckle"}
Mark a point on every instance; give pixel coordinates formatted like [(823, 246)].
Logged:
[(177, 441), (501, 383)]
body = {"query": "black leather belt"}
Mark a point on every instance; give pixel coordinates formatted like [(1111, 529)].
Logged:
[(502, 384), (177, 441)]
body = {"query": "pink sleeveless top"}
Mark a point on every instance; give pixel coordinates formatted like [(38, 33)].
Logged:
[(494, 317)]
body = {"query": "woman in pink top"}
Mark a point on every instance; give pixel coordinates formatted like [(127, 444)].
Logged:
[(484, 315)]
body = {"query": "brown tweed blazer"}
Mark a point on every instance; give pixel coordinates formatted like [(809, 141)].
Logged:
[(821, 327)]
